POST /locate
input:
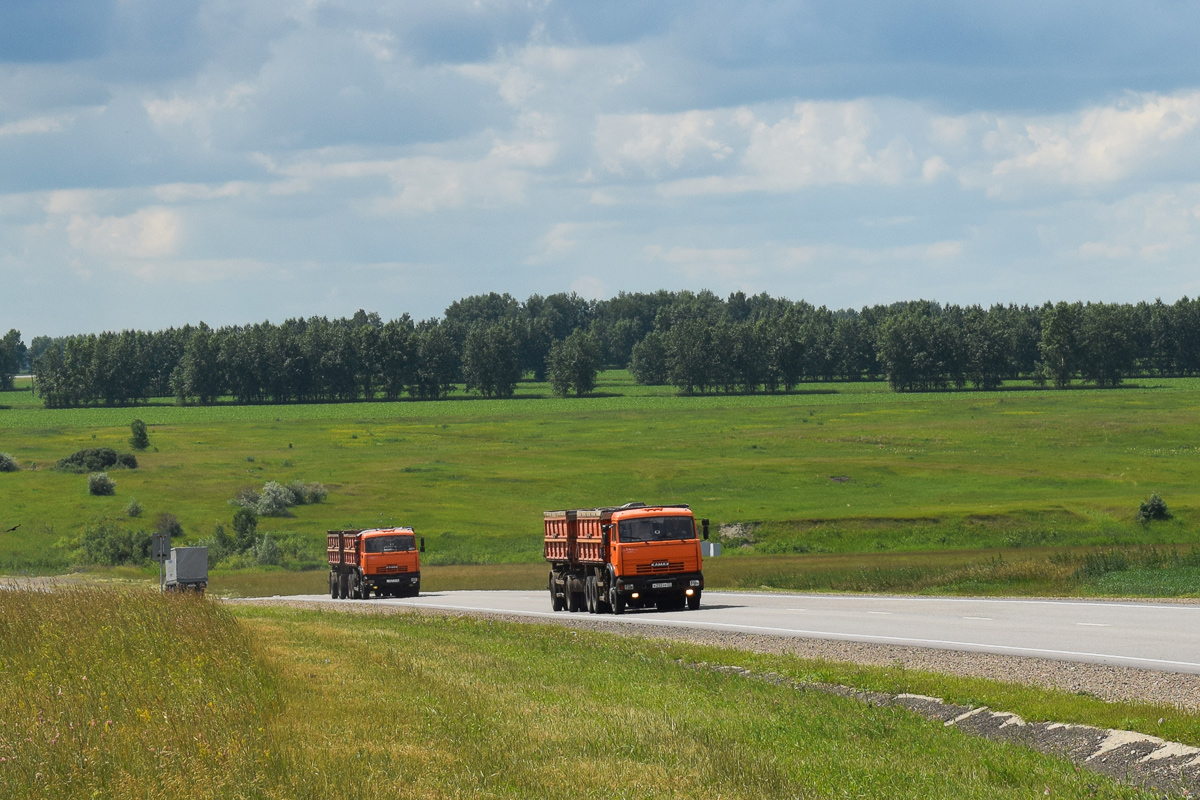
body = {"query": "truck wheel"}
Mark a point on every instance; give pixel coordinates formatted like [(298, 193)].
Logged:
[(333, 589), (343, 586), (693, 602), (590, 593), (416, 590), (574, 598), (616, 600), (556, 603)]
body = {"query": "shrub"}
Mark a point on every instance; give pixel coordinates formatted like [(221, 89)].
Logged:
[(139, 439), (106, 543), (8, 463), (266, 552), (100, 485), (168, 524), (307, 493), (134, 509), (96, 459), (245, 525), (275, 500), (1154, 508)]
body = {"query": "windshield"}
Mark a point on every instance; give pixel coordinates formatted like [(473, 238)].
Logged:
[(656, 529), (389, 544)]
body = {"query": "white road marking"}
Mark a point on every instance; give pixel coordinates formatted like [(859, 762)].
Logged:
[(982, 618), (1094, 624)]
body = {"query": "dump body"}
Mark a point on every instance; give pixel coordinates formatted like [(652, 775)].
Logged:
[(187, 569), (611, 557), (386, 561)]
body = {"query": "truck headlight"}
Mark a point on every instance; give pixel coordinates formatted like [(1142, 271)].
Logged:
[(634, 595), (689, 592), (693, 583)]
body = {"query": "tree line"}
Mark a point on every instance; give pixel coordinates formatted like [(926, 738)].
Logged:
[(697, 342)]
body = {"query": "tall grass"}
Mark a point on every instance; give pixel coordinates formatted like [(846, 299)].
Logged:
[(127, 694)]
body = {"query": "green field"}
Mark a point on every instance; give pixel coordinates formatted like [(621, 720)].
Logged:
[(129, 694), (830, 469)]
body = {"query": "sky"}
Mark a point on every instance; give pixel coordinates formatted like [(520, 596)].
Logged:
[(233, 162)]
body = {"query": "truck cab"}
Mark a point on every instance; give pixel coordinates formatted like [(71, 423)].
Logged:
[(655, 553)]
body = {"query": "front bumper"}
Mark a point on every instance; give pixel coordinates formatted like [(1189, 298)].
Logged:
[(407, 580), (659, 585)]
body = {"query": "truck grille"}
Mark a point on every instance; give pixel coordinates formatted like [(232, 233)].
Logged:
[(393, 568), (659, 568)]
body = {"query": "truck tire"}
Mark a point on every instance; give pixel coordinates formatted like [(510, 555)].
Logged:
[(616, 600), (589, 592), (574, 598), (693, 602), (343, 586), (556, 603), (603, 606), (333, 585)]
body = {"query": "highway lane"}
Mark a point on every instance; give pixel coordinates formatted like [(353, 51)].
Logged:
[(1159, 636)]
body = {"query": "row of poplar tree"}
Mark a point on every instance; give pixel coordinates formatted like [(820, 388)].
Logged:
[(697, 342)]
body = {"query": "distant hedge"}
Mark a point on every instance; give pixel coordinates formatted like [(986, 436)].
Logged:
[(97, 459)]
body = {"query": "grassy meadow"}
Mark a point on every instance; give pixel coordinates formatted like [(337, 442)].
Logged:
[(833, 479), (128, 694)]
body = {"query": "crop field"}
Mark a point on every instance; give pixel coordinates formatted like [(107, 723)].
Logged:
[(129, 694), (850, 470)]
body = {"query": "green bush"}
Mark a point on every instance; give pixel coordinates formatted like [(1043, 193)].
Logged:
[(266, 552), (139, 439), (168, 524), (96, 459), (8, 463), (107, 544), (245, 525), (1154, 508), (134, 509), (276, 500), (100, 485)]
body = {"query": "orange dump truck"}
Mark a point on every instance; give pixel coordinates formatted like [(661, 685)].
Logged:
[(617, 557), (386, 560)]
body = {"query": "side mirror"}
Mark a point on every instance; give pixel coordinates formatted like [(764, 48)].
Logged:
[(422, 544), (704, 525)]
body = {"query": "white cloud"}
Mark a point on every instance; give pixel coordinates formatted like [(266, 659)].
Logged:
[(1096, 146), (558, 241), (36, 125), (652, 142), (147, 233), (816, 144)]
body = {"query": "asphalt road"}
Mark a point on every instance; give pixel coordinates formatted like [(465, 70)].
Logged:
[(1160, 636)]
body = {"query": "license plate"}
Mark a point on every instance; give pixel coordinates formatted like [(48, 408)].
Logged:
[(666, 585), (393, 580)]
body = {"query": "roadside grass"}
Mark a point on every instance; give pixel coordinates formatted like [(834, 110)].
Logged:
[(466, 707), (831, 468), (191, 699), (127, 694)]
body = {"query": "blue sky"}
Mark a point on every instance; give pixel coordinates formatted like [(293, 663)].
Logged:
[(163, 163)]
